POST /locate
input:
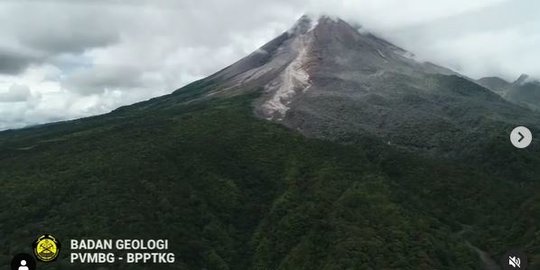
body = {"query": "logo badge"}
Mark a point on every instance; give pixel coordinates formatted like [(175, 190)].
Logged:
[(46, 248)]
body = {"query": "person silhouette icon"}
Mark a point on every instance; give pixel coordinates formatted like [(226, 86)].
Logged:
[(23, 261), (23, 265)]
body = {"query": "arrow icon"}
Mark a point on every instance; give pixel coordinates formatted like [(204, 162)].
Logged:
[(521, 137)]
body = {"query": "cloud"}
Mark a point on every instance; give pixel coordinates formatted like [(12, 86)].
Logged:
[(97, 79), (89, 57), (37, 31), (16, 93), (498, 40), (13, 62)]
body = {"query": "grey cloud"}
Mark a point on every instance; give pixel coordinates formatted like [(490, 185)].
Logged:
[(97, 79), (64, 27), (71, 40), (51, 28), (13, 63)]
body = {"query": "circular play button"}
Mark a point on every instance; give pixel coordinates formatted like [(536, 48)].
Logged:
[(521, 137)]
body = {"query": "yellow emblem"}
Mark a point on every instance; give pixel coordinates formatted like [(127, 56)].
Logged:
[(46, 248)]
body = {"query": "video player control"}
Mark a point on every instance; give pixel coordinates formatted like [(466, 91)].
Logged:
[(521, 137), (514, 260)]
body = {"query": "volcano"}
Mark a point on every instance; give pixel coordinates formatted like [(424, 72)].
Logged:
[(328, 79), (326, 148)]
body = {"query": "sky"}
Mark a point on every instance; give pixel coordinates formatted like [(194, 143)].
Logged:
[(66, 59)]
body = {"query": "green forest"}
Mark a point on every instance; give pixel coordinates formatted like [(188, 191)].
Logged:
[(232, 191)]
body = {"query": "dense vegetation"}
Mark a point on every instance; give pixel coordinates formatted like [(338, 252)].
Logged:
[(231, 191)]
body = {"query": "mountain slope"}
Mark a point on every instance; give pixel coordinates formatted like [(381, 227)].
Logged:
[(205, 168), (327, 80), (524, 92), (234, 192)]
